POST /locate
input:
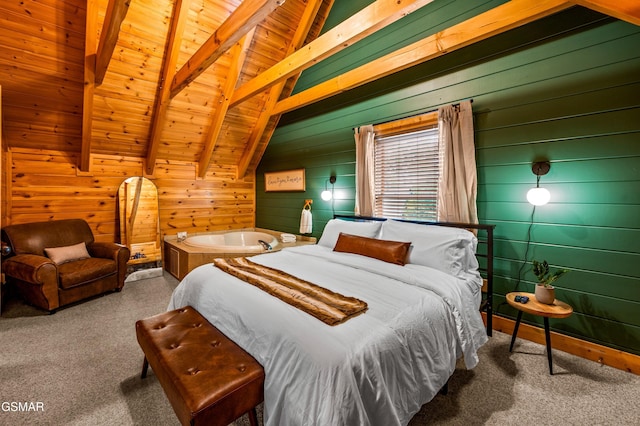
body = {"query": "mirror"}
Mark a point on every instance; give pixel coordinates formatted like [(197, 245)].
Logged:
[(139, 222)]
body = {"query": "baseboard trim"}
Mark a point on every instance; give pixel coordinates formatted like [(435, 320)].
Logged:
[(592, 351)]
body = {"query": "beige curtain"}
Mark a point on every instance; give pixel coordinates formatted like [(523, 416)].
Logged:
[(458, 182), (365, 152)]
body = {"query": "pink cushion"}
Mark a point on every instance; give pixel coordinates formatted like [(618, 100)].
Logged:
[(65, 254)]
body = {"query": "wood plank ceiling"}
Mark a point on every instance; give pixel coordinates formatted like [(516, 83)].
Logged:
[(202, 81)]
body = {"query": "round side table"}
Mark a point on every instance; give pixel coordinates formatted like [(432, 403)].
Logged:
[(558, 309)]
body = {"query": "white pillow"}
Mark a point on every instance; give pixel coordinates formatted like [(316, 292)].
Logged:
[(335, 226), (65, 254), (451, 250)]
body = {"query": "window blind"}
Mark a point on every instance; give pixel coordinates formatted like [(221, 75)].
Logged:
[(407, 169)]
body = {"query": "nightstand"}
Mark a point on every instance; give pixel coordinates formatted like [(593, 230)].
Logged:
[(558, 309)]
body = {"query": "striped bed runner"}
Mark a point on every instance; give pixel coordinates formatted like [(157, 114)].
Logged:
[(327, 306)]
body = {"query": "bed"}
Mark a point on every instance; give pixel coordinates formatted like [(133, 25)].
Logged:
[(379, 366)]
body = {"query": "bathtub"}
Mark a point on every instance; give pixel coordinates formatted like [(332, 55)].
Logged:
[(234, 241), (182, 256)]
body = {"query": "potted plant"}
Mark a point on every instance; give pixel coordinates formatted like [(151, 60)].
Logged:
[(545, 292)]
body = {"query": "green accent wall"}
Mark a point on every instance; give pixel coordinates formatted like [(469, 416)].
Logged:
[(566, 89)]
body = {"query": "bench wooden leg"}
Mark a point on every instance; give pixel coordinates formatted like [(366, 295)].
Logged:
[(145, 367), (253, 417)]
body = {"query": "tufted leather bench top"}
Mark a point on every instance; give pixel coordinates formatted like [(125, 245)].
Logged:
[(207, 378)]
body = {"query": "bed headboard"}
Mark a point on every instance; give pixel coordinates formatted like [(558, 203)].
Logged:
[(484, 253)]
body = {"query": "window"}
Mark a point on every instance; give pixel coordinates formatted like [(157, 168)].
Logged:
[(407, 168), (418, 176)]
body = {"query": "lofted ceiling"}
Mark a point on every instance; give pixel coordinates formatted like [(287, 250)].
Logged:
[(201, 81)]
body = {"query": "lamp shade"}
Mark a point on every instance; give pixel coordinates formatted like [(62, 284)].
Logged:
[(327, 195), (538, 196)]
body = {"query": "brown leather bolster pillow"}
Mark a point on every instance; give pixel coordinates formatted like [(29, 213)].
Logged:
[(387, 251)]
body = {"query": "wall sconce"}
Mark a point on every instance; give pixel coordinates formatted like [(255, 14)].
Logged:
[(327, 195), (539, 196)]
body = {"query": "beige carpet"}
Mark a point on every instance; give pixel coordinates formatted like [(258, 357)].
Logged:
[(83, 365)]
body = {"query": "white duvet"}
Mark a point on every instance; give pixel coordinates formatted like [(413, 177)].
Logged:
[(378, 368)]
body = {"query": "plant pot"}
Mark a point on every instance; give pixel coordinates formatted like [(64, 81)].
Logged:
[(546, 295)]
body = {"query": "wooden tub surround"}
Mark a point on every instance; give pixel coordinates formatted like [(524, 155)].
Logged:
[(208, 379), (180, 258)]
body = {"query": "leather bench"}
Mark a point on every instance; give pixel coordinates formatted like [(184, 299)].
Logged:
[(208, 379)]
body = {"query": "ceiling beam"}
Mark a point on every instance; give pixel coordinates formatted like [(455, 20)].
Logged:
[(116, 12), (364, 23), (163, 98), (498, 20), (249, 14), (257, 134), (625, 10), (238, 56), (90, 45), (495, 21)]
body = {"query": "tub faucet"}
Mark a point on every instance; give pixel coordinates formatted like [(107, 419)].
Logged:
[(265, 244)]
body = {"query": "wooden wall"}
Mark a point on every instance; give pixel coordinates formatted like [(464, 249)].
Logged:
[(44, 185), (566, 89)]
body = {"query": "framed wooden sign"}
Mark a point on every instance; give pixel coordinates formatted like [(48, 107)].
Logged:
[(286, 180)]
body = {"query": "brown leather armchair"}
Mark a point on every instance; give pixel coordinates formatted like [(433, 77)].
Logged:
[(31, 270)]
